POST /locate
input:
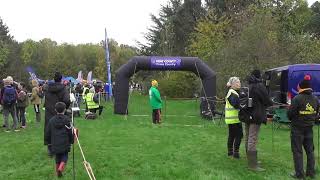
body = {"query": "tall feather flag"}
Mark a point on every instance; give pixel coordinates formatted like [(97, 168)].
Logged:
[(89, 77), (79, 78), (108, 63)]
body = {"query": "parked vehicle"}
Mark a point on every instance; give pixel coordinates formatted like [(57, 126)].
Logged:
[(282, 85)]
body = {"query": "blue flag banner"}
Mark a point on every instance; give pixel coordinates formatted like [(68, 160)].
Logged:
[(108, 64)]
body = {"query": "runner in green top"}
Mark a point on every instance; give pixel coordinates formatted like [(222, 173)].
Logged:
[(155, 102)]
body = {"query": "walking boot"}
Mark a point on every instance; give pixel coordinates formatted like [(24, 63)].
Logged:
[(252, 161), (61, 168), (236, 155), (295, 176), (38, 117), (237, 143)]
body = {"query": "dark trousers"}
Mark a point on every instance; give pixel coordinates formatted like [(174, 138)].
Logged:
[(47, 117), (63, 157), (100, 108), (156, 116), (21, 115), (36, 108), (10, 110), (234, 138), (302, 136)]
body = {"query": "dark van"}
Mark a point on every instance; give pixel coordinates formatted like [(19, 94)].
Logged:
[(282, 85), (282, 82)]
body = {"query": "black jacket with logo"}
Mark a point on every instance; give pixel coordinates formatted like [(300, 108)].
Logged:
[(304, 109), (59, 134)]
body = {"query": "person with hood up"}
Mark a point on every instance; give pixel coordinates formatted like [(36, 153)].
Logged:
[(59, 135), (155, 102), (260, 102), (36, 99), (232, 117), (56, 92), (303, 113)]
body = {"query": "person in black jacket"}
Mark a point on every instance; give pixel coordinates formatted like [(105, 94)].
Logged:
[(303, 113), (59, 135), (56, 92), (258, 115)]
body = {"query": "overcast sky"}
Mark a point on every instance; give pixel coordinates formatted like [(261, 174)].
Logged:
[(80, 21)]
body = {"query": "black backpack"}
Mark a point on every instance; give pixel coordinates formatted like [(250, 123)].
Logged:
[(245, 103)]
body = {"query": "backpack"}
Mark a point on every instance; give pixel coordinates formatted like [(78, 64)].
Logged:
[(40, 93), (245, 104), (22, 96), (9, 96)]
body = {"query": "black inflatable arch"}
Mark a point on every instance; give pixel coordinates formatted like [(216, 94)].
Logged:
[(137, 63)]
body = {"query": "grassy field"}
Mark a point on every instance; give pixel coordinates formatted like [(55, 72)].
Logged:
[(120, 147)]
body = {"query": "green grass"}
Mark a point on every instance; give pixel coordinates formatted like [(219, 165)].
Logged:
[(183, 147)]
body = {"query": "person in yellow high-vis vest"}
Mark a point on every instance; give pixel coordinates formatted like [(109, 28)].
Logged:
[(232, 118), (93, 102), (84, 93)]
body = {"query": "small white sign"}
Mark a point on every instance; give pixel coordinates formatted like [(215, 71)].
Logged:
[(75, 109)]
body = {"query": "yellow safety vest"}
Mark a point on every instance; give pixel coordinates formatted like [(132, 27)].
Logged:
[(83, 93), (90, 103), (231, 114)]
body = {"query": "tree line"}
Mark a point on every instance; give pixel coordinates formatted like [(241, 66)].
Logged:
[(47, 56), (234, 36)]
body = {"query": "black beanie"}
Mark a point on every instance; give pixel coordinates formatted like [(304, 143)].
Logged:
[(256, 73), (57, 77), (305, 83)]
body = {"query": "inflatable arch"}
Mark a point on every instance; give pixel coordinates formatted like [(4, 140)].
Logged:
[(155, 63)]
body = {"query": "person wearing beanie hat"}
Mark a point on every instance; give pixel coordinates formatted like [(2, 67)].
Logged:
[(57, 77), (256, 116), (232, 117), (154, 83), (155, 102), (256, 73), (303, 113), (56, 92), (305, 84)]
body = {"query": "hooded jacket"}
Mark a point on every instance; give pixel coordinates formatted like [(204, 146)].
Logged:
[(35, 98), (57, 92), (155, 98), (304, 109), (260, 100), (59, 134)]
